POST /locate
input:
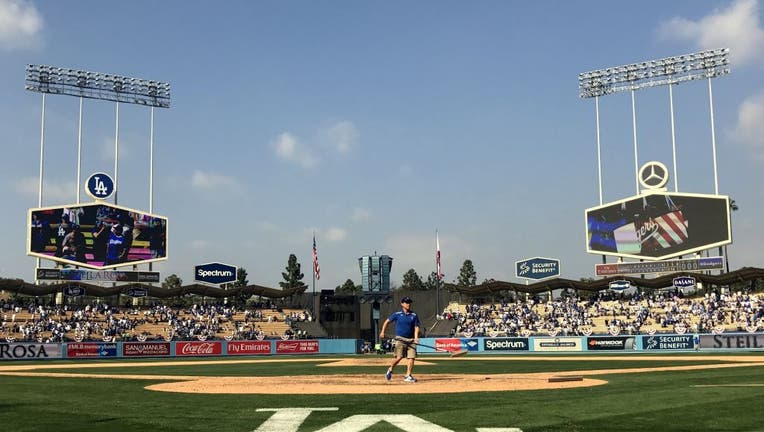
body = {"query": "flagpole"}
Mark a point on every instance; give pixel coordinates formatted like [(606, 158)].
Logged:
[(313, 300), (437, 276)]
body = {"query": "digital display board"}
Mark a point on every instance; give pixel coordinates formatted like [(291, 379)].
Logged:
[(658, 225), (97, 236)]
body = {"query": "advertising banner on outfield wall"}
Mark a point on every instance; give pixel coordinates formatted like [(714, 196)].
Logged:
[(184, 349), (668, 342), (505, 344), (256, 347), (456, 344), (91, 350), (557, 344), (610, 343), (28, 351), (146, 349), (734, 340), (297, 347)]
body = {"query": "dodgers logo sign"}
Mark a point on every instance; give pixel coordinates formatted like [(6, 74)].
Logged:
[(537, 268), (100, 186), (215, 273)]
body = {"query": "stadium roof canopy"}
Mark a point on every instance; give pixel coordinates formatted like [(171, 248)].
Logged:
[(22, 287), (744, 274)]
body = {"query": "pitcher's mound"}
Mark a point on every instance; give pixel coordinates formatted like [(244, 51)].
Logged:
[(371, 384)]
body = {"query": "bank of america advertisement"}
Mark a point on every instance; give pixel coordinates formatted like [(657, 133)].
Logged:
[(658, 225), (96, 236)]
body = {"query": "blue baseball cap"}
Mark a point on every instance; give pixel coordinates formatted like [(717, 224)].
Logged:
[(407, 299)]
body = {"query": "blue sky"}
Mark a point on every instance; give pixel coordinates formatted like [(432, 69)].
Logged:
[(374, 123)]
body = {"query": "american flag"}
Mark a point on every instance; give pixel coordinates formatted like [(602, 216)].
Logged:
[(673, 229), (316, 267), (437, 255)]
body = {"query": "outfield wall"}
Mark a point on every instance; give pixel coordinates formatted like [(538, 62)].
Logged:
[(216, 348), (486, 345)]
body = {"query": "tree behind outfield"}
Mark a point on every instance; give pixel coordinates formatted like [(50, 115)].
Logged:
[(349, 288), (412, 281), (467, 275), (432, 282), (241, 277), (172, 281), (292, 276)]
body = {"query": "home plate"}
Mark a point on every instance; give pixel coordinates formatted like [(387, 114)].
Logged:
[(566, 378)]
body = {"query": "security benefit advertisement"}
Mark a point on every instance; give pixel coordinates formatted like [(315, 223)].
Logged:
[(96, 236), (668, 342), (658, 225), (732, 341)]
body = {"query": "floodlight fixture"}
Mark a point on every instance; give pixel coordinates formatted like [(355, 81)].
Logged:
[(653, 73), (95, 85)]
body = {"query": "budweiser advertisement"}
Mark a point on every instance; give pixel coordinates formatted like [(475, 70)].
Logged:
[(198, 348), (146, 349), (658, 225), (297, 347), (249, 347)]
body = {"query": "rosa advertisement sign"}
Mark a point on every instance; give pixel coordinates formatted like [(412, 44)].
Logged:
[(198, 348), (249, 347), (297, 347), (18, 351), (146, 349)]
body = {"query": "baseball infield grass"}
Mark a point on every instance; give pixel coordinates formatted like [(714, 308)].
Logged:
[(725, 399)]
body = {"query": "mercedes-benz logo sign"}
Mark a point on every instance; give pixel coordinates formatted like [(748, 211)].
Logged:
[(653, 175)]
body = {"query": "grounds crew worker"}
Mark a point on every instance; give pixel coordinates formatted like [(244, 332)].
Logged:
[(406, 336)]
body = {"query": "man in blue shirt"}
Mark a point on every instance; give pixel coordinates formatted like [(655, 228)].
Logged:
[(406, 335)]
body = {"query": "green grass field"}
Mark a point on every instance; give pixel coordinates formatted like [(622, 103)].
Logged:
[(655, 401)]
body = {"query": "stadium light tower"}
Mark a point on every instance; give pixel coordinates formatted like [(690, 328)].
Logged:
[(653, 73), (95, 85)]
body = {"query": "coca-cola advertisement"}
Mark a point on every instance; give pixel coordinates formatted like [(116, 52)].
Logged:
[(146, 349), (249, 347), (297, 347), (91, 349), (198, 348)]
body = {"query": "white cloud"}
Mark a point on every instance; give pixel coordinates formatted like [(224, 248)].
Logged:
[(736, 27), (108, 148), (199, 245), (360, 214), (289, 148), (749, 129), (20, 25), (52, 192), (266, 226), (335, 234), (212, 181), (342, 137)]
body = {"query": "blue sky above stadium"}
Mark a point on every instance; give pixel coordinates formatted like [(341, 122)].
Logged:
[(373, 124)]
